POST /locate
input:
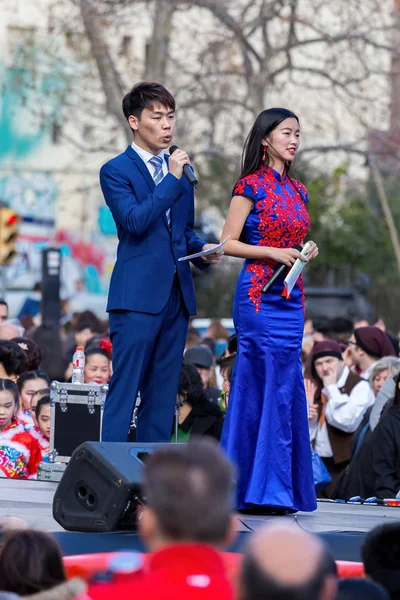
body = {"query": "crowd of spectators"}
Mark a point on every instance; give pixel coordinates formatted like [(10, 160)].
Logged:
[(351, 371), (29, 360), (186, 525), (33, 357), (352, 383)]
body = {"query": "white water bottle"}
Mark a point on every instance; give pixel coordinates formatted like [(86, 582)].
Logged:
[(78, 362)]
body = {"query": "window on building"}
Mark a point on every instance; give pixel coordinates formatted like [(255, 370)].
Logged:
[(19, 40), (55, 133)]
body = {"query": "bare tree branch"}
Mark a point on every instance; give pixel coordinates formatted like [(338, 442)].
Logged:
[(109, 76), (157, 57)]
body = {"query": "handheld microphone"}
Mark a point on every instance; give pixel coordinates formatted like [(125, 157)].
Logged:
[(278, 273), (187, 170)]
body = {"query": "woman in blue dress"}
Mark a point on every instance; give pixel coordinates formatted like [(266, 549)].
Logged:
[(266, 427)]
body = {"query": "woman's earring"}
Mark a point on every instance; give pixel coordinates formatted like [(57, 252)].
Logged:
[(264, 154)]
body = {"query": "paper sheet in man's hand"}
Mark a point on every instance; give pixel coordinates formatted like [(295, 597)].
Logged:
[(215, 250)]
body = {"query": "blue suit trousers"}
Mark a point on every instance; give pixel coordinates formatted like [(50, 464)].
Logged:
[(147, 357)]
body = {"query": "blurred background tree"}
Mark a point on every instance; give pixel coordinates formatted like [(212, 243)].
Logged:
[(335, 64)]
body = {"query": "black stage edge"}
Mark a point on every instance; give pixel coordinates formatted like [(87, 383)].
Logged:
[(341, 526), (344, 546)]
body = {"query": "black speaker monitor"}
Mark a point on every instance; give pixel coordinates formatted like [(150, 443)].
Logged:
[(100, 489)]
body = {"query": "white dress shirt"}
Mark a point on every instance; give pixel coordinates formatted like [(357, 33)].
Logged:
[(146, 156), (343, 411)]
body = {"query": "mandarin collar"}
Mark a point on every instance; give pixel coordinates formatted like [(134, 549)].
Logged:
[(275, 175)]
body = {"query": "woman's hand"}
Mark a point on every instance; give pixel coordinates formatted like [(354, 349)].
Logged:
[(287, 256), (313, 251)]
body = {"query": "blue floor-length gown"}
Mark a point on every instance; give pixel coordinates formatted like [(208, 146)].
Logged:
[(266, 427)]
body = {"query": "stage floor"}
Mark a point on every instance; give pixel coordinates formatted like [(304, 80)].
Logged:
[(32, 501)]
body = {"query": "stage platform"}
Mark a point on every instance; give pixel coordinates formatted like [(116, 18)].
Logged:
[(343, 526)]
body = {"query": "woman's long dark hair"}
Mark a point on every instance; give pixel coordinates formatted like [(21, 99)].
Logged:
[(266, 122)]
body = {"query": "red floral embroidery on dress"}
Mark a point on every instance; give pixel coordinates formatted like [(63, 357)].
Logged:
[(261, 274), (279, 219)]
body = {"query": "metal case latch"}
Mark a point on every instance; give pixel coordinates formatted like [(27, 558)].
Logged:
[(63, 400), (91, 401)]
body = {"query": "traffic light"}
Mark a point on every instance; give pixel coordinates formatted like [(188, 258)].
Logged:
[(8, 234)]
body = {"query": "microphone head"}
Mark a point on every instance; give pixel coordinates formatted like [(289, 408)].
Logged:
[(173, 148)]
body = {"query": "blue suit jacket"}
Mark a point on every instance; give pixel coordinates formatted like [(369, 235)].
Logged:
[(148, 250)]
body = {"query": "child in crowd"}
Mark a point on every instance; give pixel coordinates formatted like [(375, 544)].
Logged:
[(28, 383), (98, 364), (35, 399), (20, 453), (41, 430)]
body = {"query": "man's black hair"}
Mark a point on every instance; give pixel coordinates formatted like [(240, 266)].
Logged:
[(380, 553)]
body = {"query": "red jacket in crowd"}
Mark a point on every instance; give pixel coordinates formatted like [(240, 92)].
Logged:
[(20, 453), (188, 571)]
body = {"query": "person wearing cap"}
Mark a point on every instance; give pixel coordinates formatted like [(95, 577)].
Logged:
[(337, 403), (366, 346), (202, 358)]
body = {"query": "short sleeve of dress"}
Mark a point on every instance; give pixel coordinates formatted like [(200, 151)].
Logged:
[(246, 186), (302, 190)]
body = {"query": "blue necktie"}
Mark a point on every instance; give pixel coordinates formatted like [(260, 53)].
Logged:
[(157, 163)]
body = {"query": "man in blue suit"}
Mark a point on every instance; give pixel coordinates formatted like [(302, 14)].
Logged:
[(151, 294)]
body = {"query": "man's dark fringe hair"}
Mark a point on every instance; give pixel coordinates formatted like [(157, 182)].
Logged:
[(146, 94)]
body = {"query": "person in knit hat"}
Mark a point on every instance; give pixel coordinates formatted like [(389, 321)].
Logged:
[(366, 346), (337, 399)]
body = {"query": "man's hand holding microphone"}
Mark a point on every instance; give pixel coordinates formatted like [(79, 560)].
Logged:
[(178, 164)]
